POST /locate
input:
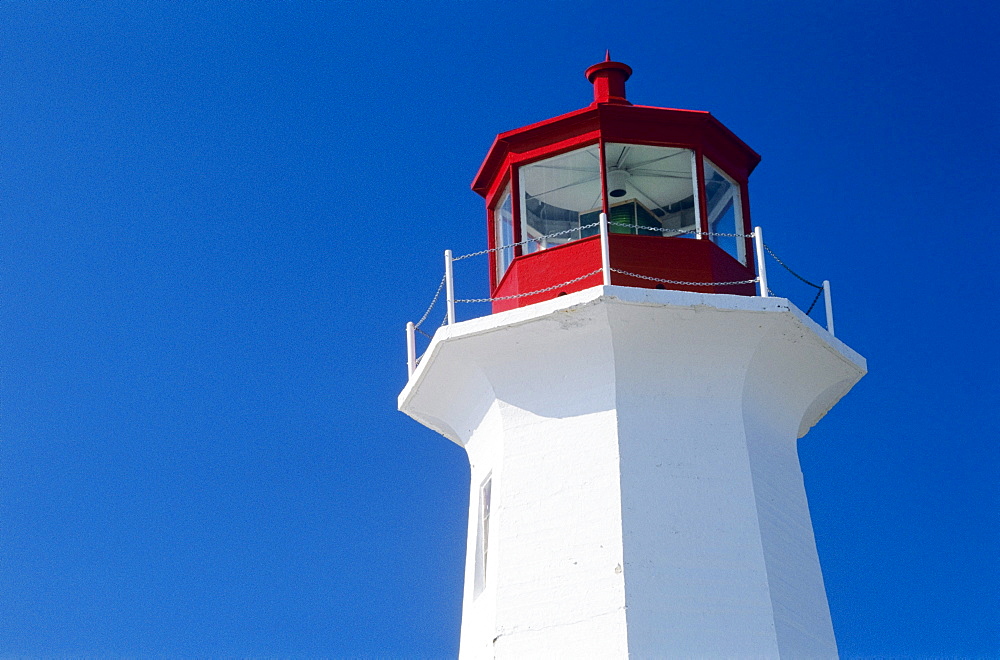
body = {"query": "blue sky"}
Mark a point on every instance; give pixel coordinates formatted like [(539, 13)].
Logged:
[(218, 216)]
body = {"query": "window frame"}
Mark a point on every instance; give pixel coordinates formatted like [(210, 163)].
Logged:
[(499, 267), (696, 180), (736, 199), (515, 176), (483, 516)]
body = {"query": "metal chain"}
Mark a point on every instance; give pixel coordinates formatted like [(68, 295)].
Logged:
[(433, 302), (677, 232), (771, 252), (525, 242), (590, 226), (531, 293), (657, 279), (437, 294), (815, 300)]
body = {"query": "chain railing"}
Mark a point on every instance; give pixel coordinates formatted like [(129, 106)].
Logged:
[(681, 283), (821, 289), (530, 240), (447, 283)]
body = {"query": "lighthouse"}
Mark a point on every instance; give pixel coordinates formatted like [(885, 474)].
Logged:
[(631, 408)]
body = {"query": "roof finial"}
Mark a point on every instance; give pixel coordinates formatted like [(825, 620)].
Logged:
[(609, 79)]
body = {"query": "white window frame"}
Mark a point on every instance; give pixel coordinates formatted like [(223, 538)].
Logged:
[(737, 199), (483, 534), (502, 268), (697, 196)]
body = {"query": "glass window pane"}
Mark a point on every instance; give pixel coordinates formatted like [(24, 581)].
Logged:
[(503, 223), (483, 535), (725, 212), (651, 190), (559, 194)]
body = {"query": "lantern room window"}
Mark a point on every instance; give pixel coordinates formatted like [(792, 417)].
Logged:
[(560, 194), (503, 223), (651, 190), (725, 212)]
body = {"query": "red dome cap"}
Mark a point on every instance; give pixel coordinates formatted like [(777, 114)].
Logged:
[(609, 80)]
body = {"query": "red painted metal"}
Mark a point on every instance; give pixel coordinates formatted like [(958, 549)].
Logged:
[(556, 265), (612, 118), (617, 123), (604, 176), (609, 81), (671, 258)]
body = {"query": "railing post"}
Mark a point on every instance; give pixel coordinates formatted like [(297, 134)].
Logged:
[(411, 348), (449, 278), (758, 241), (697, 207), (829, 307), (605, 256)]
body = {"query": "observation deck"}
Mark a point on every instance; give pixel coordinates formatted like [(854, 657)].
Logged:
[(616, 194)]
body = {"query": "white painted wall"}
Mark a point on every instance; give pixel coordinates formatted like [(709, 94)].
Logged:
[(647, 498)]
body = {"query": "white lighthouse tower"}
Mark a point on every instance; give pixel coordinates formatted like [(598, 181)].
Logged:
[(631, 408)]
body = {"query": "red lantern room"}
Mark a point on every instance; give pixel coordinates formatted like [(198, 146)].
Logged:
[(673, 184)]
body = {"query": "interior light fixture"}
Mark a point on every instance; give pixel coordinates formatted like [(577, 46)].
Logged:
[(617, 181)]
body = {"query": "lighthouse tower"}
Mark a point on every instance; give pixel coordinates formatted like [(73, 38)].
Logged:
[(631, 407)]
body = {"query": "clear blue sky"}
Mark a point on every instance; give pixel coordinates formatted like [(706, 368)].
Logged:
[(218, 216)]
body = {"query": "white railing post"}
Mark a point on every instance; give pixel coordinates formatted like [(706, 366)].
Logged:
[(449, 278), (697, 207), (758, 241), (605, 256), (411, 348), (829, 307)]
